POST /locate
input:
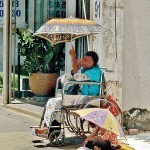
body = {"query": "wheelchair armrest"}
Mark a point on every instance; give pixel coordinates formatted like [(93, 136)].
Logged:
[(79, 82)]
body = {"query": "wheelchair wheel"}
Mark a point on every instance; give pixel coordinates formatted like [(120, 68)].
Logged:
[(56, 139)]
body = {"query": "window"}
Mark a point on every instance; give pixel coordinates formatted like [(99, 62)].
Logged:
[(81, 43), (56, 9)]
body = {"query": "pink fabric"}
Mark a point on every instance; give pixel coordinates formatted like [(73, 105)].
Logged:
[(108, 135)]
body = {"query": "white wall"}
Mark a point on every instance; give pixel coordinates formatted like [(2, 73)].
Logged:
[(136, 54), (70, 11), (1, 50), (106, 45)]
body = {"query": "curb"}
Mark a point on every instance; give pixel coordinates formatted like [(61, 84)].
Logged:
[(21, 111)]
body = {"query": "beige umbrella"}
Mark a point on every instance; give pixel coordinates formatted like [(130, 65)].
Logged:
[(68, 29), (101, 117)]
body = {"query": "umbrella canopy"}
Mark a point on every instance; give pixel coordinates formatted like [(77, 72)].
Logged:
[(103, 118), (68, 29)]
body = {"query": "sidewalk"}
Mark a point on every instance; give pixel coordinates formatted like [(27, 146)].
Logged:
[(32, 110), (139, 142)]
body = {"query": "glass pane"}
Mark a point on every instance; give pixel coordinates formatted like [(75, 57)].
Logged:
[(56, 9), (81, 43)]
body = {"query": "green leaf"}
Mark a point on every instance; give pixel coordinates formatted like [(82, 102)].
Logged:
[(39, 54)]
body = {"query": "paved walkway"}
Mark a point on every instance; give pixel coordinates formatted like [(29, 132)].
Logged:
[(22, 107), (139, 142)]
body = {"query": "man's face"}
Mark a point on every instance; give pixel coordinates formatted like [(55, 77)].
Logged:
[(87, 62)]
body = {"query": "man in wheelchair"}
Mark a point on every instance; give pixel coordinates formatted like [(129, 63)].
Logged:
[(85, 69)]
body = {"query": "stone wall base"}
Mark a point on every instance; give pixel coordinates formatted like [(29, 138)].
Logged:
[(137, 118)]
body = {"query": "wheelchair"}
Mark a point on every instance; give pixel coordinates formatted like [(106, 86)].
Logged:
[(62, 117)]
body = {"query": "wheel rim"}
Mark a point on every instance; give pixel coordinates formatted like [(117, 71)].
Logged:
[(55, 138)]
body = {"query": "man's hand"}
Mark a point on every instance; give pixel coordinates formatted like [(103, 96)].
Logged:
[(75, 64), (88, 138), (72, 53)]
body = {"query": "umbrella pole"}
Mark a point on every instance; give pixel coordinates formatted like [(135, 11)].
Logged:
[(84, 9), (85, 18), (71, 41)]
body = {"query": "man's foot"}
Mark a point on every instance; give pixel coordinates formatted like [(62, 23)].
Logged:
[(41, 131)]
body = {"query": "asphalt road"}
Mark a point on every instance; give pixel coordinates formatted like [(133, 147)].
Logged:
[(15, 133)]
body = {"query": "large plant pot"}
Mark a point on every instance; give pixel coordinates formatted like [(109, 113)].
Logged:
[(43, 84)]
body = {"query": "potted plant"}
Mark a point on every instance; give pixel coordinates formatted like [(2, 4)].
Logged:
[(42, 61)]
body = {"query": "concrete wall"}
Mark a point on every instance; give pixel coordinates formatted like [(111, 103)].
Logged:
[(109, 45), (1, 50), (70, 11), (136, 54)]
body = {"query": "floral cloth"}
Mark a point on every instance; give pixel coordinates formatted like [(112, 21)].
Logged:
[(77, 77), (109, 136), (106, 134), (81, 77), (52, 105)]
